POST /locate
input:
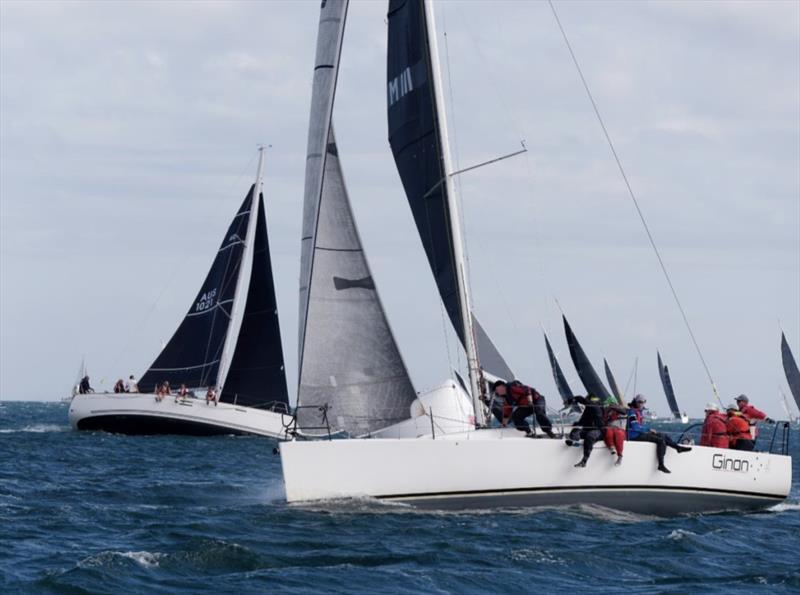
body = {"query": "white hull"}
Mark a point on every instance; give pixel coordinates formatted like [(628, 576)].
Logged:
[(138, 413), (491, 468)]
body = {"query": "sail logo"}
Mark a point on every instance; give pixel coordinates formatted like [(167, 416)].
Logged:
[(206, 301), (722, 463), (400, 86)]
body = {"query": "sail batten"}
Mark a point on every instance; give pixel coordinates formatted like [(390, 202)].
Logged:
[(586, 372)]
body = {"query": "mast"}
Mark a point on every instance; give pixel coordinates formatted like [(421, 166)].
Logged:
[(473, 364), (243, 281)]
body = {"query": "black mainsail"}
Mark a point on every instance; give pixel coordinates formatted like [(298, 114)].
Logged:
[(558, 375), (586, 372), (790, 369), (193, 354), (349, 360), (612, 382), (666, 382), (256, 376)]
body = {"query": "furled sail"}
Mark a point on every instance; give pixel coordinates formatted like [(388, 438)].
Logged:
[(591, 381), (192, 355), (790, 369), (612, 382), (415, 138), (256, 377), (666, 382), (558, 375), (349, 360), (491, 359)]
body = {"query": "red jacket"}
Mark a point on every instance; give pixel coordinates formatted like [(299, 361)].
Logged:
[(752, 413), (738, 429), (517, 395), (715, 430)]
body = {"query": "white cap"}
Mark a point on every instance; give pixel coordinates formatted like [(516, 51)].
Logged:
[(712, 407)]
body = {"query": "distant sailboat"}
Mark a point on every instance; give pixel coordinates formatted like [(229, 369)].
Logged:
[(612, 382), (228, 341), (562, 385), (586, 372), (790, 369), (666, 382)]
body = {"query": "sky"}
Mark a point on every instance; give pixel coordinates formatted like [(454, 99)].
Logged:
[(128, 135)]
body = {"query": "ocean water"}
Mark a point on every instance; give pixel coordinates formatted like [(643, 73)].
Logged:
[(100, 513)]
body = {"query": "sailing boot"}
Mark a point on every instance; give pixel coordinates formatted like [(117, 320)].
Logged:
[(581, 463), (663, 469)]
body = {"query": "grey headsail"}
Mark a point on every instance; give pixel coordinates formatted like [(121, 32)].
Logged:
[(415, 138), (790, 369), (349, 360), (192, 355), (491, 360), (666, 382), (591, 381), (612, 382), (256, 376), (558, 375)]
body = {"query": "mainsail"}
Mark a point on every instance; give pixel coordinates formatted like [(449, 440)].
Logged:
[(558, 375), (666, 382), (591, 381), (256, 376), (790, 369), (193, 354), (612, 382), (349, 360)]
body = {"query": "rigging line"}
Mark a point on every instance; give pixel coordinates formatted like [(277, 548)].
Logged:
[(636, 203)]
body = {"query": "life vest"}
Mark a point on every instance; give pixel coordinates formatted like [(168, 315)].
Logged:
[(615, 420), (518, 394), (715, 431), (738, 429)]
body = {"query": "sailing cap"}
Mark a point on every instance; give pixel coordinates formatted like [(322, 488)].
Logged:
[(742, 398), (712, 407), (732, 407), (639, 399)]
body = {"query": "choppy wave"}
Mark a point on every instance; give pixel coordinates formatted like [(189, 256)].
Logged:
[(93, 512)]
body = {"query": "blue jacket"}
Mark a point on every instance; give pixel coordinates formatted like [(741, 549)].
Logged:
[(636, 425)]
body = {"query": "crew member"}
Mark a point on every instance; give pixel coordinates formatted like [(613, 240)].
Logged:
[(84, 387), (589, 426), (521, 401), (211, 396), (640, 432), (752, 415), (119, 386), (715, 428), (614, 428), (183, 392), (131, 386), (739, 430)]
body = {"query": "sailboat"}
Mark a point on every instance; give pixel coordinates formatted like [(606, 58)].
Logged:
[(791, 370), (229, 341), (480, 466), (666, 382)]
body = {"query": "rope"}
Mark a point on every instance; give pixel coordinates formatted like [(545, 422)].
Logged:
[(636, 203)]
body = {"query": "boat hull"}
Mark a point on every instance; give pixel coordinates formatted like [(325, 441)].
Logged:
[(492, 468), (141, 414)]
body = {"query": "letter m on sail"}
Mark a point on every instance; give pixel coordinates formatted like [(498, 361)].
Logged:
[(399, 86)]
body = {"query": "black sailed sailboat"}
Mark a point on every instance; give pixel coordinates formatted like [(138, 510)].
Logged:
[(558, 375), (612, 382), (586, 372), (790, 369), (416, 137), (666, 382), (229, 341)]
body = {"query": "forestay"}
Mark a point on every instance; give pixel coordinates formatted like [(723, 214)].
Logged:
[(349, 360), (591, 381), (192, 355), (666, 382), (256, 377)]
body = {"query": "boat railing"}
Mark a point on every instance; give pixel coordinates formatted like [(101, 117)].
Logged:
[(292, 431), (779, 443)]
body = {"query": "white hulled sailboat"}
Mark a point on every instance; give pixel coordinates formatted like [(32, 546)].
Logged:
[(229, 341), (478, 466)]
